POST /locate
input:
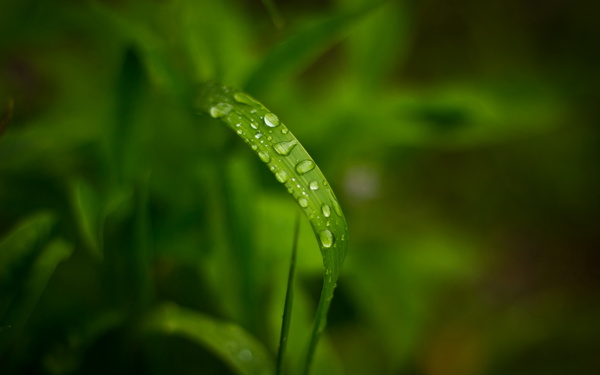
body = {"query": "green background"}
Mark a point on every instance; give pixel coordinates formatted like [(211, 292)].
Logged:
[(461, 138)]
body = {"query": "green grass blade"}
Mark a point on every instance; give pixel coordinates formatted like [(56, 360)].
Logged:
[(289, 301), (30, 289), (243, 352), (274, 13), (292, 166), (302, 48)]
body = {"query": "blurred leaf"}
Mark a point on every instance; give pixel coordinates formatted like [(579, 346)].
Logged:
[(30, 288), (274, 13), (88, 212), (6, 116), (18, 251), (379, 43), (244, 353), (301, 48)]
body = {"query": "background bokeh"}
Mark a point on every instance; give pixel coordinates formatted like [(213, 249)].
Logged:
[(462, 139)]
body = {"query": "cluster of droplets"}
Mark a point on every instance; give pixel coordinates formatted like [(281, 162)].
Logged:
[(283, 149)]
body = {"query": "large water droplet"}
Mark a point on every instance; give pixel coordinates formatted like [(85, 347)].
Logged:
[(326, 238), (336, 207), (284, 148), (303, 202), (220, 110), (305, 166), (281, 176), (326, 210), (313, 185), (245, 355), (271, 120), (264, 156), (244, 98)]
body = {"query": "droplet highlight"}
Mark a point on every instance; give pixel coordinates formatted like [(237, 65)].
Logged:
[(220, 110), (326, 210), (313, 185), (326, 238), (282, 176), (305, 166), (284, 148), (303, 202), (271, 120), (264, 156), (244, 98)]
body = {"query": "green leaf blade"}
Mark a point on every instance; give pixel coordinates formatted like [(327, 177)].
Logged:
[(242, 351), (293, 167)]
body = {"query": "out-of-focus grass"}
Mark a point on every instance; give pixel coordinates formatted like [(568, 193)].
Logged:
[(462, 139)]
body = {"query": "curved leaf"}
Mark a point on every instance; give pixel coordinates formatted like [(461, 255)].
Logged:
[(233, 344), (292, 166)]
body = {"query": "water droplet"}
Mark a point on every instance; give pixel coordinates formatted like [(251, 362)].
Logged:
[(264, 156), (313, 185), (220, 110), (326, 238), (303, 202), (305, 166), (245, 355), (244, 98), (240, 131), (254, 147), (336, 207), (271, 120), (253, 125), (284, 130), (281, 176), (269, 138), (258, 135), (284, 148), (238, 125), (326, 210)]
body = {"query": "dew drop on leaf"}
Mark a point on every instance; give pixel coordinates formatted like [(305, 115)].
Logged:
[(326, 238), (271, 120), (240, 97), (313, 185), (258, 135), (281, 176), (337, 208), (326, 210), (303, 202), (220, 110), (305, 166), (284, 148), (264, 156)]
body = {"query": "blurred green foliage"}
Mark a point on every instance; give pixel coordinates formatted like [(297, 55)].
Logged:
[(138, 236)]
